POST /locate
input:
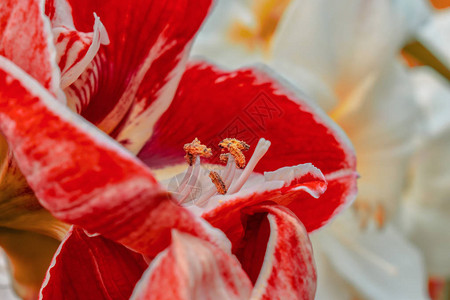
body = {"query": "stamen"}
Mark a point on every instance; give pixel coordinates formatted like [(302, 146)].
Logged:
[(230, 170), (218, 182), (227, 176), (194, 149), (260, 151), (224, 158), (235, 147), (187, 189), (185, 179)]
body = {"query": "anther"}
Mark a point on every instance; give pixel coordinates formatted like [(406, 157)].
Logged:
[(194, 149), (235, 147), (223, 158), (218, 182)]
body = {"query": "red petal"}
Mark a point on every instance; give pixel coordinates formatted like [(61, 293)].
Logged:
[(247, 104), (82, 176), (193, 269), (288, 270), (92, 268), (139, 71), (340, 193), (26, 40), (303, 190)]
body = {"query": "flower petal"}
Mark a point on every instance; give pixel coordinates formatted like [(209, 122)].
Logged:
[(435, 35), (432, 92), (287, 270), (330, 285), (19, 208), (7, 293), (247, 104), (346, 52), (82, 176), (26, 39), (299, 192), (29, 255), (384, 128), (193, 269), (426, 209), (92, 268), (137, 73), (216, 41), (76, 50), (379, 264)]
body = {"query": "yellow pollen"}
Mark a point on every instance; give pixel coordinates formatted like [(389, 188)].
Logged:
[(194, 149), (235, 147), (218, 182), (223, 158)]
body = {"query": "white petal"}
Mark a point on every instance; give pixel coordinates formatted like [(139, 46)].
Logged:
[(380, 264), (330, 285), (433, 94), (428, 230), (426, 213), (414, 13), (383, 128), (6, 290), (308, 82), (431, 173), (213, 42), (435, 35), (342, 43)]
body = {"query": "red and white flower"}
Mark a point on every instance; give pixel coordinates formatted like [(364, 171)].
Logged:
[(130, 78)]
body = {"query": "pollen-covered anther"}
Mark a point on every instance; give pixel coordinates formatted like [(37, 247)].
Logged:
[(223, 158), (194, 149), (218, 182), (235, 147)]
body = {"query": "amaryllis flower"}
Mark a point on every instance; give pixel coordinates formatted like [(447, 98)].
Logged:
[(347, 57), (124, 78), (348, 64)]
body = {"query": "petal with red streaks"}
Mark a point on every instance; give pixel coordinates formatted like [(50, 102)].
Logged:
[(92, 268), (248, 104), (75, 50), (26, 40), (288, 186), (81, 175), (193, 269), (287, 269), (136, 75)]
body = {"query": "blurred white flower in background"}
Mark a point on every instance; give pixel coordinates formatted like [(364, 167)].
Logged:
[(345, 55), (6, 291)]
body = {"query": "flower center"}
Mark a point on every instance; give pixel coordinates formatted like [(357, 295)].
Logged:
[(199, 184)]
